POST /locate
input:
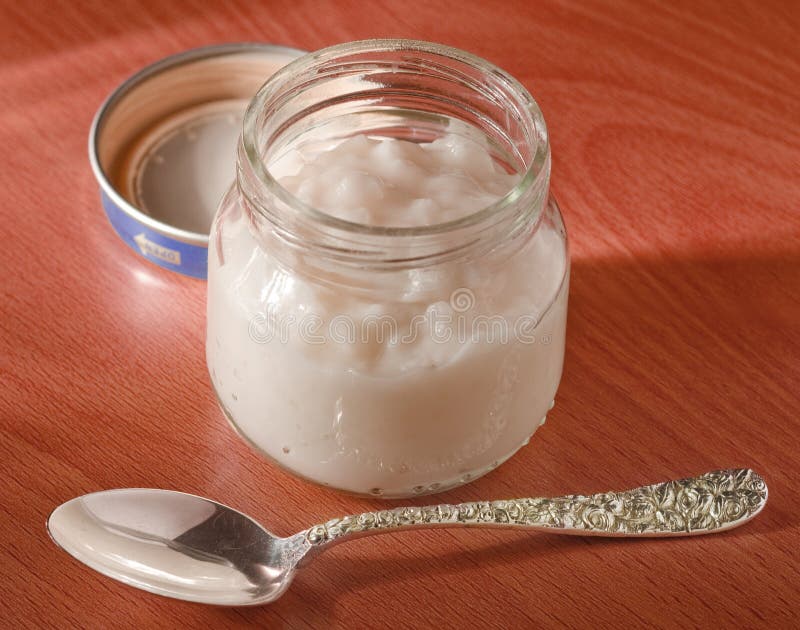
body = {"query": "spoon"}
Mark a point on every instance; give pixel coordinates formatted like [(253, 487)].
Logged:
[(187, 547)]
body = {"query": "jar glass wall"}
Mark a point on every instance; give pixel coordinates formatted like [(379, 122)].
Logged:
[(389, 360)]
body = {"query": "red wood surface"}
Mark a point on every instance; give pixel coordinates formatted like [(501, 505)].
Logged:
[(676, 141)]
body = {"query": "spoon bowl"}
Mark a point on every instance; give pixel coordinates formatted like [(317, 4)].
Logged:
[(174, 544), (187, 547)]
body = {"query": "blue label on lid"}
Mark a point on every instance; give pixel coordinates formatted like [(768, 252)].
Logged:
[(190, 260)]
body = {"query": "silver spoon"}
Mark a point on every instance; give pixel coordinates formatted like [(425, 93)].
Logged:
[(184, 546)]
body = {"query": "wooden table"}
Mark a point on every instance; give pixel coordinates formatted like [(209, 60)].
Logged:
[(676, 141)]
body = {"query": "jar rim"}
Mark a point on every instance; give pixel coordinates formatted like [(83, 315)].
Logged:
[(536, 170)]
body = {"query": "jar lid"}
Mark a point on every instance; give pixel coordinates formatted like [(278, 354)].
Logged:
[(163, 147)]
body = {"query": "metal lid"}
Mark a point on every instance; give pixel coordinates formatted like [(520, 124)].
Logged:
[(163, 147)]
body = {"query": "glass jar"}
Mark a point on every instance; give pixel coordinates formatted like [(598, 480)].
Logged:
[(388, 361)]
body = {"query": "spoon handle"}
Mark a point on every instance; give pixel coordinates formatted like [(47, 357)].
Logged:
[(714, 501)]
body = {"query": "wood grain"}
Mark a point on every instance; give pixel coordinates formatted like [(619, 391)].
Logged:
[(676, 139)]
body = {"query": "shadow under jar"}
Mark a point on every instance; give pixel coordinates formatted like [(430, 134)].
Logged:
[(387, 359)]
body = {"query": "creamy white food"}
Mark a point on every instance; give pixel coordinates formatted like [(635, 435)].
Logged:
[(429, 381)]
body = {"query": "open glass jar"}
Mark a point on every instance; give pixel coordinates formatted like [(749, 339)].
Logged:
[(384, 360)]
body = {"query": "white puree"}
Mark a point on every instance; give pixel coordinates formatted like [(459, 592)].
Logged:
[(377, 415), (395, 183)]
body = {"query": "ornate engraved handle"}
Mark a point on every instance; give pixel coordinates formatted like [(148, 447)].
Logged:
[(714, 501)]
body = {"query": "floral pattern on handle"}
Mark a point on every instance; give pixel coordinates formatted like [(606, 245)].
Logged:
[(716, 500)]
